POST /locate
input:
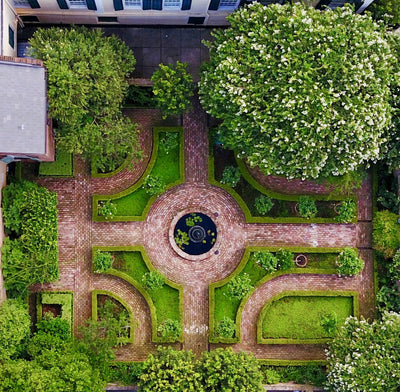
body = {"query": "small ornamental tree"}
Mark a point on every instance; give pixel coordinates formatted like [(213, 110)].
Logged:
[(348, 262), (263, 204), (153, 280), (14, 327), (226, 328), (239, 286), (347, 211), (173, 88), (365, 356), (301, 93), (223, 370), (170, 371), (386, 234), (102, 261), (230, 176), (307, 208), (87, 81)]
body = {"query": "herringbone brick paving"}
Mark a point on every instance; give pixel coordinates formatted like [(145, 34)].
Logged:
[(78, 234)]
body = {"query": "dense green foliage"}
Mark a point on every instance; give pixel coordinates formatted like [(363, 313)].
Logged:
[(309, 374), (347, 211), (223, 370), (230, 176), (30, 253), (285, 259), (239, 286), (226, 328), (14, 327), (307, 207), (86, 84), (300, 93), (386, 234), (173, 87), (266, 260), (386, 10), (153, 280), (349, 263), (365, 356), (154, 184), (170, 330), (170, 371), (102, 261), (107, 209), (263, 204)]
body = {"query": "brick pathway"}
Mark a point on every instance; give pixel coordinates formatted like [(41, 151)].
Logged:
[(78, 234)]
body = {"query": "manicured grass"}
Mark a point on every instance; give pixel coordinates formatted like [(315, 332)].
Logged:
[(132, 204), (298, 317), (165, 299), (61, 167)]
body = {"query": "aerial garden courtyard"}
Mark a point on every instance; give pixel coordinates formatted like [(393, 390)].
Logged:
[(217, 217)]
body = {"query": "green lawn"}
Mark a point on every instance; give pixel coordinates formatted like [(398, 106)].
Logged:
[(61, 167), (298, 317)]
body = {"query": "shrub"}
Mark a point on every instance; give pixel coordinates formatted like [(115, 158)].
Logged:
[(170, 330), (225, 370), (285, 259), (271, 376), (263, 204), (14, 327), (347, 211), (173, 87), (230, 176), (107, 209), (266, 260), (388, 298), (154, 185), (349, 263), (239, 286), (329, 322), (307, 207), (169, 142), (102, 262), (55, 326), (169, 370), (153, 280), (226, 328), (386, 10), (386, 233)]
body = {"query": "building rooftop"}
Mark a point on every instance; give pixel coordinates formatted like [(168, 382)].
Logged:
[(23, 108)]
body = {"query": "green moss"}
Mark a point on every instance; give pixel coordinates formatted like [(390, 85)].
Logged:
[(293, 317), (133, 203), (61, 167)]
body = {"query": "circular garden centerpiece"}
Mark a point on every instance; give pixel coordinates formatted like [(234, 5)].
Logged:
[(195, 233)]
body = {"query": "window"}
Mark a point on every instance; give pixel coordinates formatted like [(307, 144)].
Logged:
[(21, 4), (228, 4), (132, 4), (172, 4), (77, 4), (11, 37)]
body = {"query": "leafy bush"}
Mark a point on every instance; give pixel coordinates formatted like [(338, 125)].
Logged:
[(170, 370), (263, 204), (14, 327), (386, 233), (266, 260), (386, 10), (127, 373), (30, 253), (169, 142), (107, 209), (364, 356), (55, 326), (226, 328), (153, 280), (347, 211), (307, 207), (140, 96), (308, 374), (173, 87), (349, 263), (170, 330), (329, 322), (226, 370), (154, 184), (388, 298), (239, 286), (102, 262), (271, 376), (285, 259), (230, 176), (393, 267), (276, 108)]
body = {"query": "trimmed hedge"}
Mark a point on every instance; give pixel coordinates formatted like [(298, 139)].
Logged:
[(63, 166), (262, 277), (63, 298), (149, 295), (274, 195), (95, 293), (136, 195), (298, 293)]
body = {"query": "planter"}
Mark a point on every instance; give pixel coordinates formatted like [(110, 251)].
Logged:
[(301, 260)]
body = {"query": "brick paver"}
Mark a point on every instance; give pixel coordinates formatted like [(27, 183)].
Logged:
[(78, 234)]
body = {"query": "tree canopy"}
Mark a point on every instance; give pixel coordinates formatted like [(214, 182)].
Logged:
[(87, 75), (301, 93), (365, 356)]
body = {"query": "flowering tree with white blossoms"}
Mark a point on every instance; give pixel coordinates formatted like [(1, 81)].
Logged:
[(300, 92), (365, 357)]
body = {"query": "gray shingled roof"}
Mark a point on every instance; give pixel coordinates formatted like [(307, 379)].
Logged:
[(23, 108)]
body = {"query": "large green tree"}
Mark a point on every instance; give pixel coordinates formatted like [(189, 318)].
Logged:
[(365, 356), (87, 75), (300, 92)]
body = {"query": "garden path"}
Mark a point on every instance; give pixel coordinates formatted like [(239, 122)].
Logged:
[(78, 234)]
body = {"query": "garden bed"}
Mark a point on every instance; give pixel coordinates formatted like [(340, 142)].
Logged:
[(166, 165), (223, 305), (284, 206), (305, 316), (165, 302)]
